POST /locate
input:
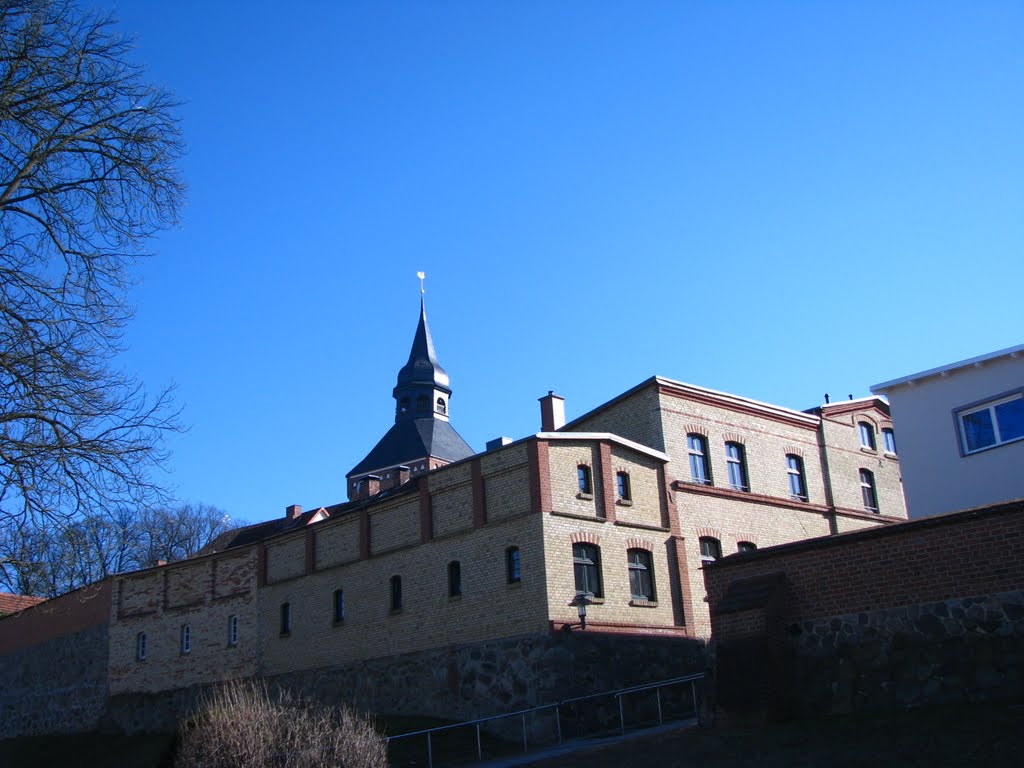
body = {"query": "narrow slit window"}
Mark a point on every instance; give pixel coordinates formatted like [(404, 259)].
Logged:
[(584, 479), (454, 578), (512, 567)]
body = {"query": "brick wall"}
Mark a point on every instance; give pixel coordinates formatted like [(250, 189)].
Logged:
[(928, 610)]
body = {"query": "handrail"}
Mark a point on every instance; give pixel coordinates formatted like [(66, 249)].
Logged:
[(562, 703)]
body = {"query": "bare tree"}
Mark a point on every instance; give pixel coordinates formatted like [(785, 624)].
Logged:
[(88, 172)]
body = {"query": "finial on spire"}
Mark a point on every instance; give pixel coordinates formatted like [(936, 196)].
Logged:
[(421, 276)]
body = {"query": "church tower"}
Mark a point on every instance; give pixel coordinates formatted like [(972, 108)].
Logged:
[(422, 438)]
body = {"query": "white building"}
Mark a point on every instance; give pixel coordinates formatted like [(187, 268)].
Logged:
[(961, 429)]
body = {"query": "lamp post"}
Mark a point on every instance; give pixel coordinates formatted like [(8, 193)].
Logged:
[(581, 601)]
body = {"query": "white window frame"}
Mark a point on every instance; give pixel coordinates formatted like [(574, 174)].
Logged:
[(990, 406)]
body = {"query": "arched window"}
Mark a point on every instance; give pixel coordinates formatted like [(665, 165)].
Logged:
[(867, 434), (512, 567), (700, 469), (584, 479), (140, 646), (454, 579), (339, 606), (746, 546), (867, 490), (622, 486), (396, 593), (736, 459), (403, 405), (641, 574), (441, 407), (795, 471), (586, 561), (422, 403), (710, 549), (232, 630)]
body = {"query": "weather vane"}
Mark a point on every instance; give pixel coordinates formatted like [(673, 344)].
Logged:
[(421, 275)]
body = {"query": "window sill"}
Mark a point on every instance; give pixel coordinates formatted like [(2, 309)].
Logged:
[(740, 488), (518, 584), (638, 602), (283, 635), (865, 449), (804, 499), (891, 455), (454, 598), (338, 623), (585, 496), (624, 502)]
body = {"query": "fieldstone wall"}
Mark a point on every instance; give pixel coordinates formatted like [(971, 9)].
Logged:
[(58, 686), (460, 682), (951, 651)]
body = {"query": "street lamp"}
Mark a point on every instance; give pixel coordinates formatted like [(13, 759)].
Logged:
[(581, 601)]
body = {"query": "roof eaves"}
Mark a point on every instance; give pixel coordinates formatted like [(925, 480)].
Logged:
[(1013, 352)]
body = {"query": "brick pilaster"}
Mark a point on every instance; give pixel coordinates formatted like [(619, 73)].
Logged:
[(426, 511), (606, 481), (679, 582), (310, 551), (479, 499), (364, 534), (540, 476)]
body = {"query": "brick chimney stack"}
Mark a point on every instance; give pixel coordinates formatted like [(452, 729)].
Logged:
[(292, 512), (552, 412)]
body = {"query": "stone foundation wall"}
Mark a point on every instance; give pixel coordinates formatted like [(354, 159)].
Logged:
[(953, 651), (58, 686), (460, 682)]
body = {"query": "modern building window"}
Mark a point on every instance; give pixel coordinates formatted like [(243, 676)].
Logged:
[(993, 423), (140, 646), (339, 606), (441, 407), (186, 638), (232, 630), (736, 460), (396, 593), (700, 469), (622, 486), (795, 470), (286, 619), (867, 434), (586, 560), (584, 479), (889, 440), (512, 568), (454, 578), (641, 574), (867, 490), (746, 546), (710, 549)]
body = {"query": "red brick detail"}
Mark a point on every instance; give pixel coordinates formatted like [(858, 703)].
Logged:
[(310, 551), (712, 533), (364, 534), (613, 628), (679, 582), (479, 498), (585, 537), (633, 543), (540, 476), (426, 511), (606, 480)]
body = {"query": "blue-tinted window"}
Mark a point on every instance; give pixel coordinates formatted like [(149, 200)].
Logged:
[(622, 486), (700, 469), (1001, 421), (889, 439), (868, 492), (867, 434), (584, 479), (736, 460), (795, 470), (512, 568)]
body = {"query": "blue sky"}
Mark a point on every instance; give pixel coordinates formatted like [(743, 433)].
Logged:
[(773, 199)]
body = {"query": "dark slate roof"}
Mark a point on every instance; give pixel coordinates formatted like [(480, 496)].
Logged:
[(250, 534), (422, 367), (408, 441)]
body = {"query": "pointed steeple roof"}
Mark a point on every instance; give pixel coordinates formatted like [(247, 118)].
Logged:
[(423, 367)]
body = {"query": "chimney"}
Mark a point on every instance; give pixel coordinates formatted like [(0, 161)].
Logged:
[(498, 442), (367, 486), (552, 412), (160, 562), (292, 512), (403, 473)]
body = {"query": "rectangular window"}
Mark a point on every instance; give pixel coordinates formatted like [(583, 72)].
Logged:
[(396, 593), (286, 618), (641, 574), (140, 646), (889, 440), (795, 471), (186, 638), (584, 479), (512, 567), (232, 630), (339, 606), (710, 549), (454, 578), (736, 459), (867, 435), (622, 486), (700, 470), (586, 560), (994, 423), (868, 492)]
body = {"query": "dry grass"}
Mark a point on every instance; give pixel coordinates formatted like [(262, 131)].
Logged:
[(240, 725)]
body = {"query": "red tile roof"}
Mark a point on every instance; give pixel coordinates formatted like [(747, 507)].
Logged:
[(13, 603)]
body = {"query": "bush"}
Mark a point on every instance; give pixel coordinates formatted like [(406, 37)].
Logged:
[(239, 725)]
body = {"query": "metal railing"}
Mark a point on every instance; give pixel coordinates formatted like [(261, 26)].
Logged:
[(567, 709)]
